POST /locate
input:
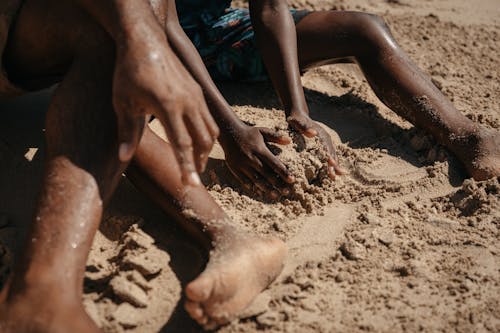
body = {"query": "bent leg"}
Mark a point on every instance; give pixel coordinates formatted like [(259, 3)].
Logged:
[(82, 170), (221, 291), (326, 37)]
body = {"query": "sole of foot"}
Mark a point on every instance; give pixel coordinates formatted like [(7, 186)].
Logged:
[(235, 274)]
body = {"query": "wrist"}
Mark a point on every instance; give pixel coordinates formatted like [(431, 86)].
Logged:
[(297, 111), (133, 37), (124, 20)]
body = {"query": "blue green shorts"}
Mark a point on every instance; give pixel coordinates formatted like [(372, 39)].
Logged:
[(227, 46)]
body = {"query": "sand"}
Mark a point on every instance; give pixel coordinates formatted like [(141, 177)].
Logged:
[(404, 242)]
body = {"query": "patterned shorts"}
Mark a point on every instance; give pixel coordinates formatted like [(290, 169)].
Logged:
[(228, 47)]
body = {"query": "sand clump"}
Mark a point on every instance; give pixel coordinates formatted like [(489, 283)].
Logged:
[(120, 279), (313, 190), (307, 160), (403, 243)]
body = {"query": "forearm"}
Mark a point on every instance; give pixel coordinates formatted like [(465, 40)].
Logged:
[(125, 20), (277, 41), (222, 112)]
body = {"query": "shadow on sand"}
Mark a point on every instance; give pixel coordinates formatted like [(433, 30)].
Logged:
[(21, 167)]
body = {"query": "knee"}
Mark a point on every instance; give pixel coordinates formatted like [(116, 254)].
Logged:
[(373, 31)]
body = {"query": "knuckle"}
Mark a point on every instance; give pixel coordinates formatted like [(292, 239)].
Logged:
[(184, 143), (196, 89), (206, 143), (169, 103), (216, 130)]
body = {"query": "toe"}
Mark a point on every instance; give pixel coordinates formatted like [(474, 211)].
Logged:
[(210, 325), (194, 309), (200, 289)]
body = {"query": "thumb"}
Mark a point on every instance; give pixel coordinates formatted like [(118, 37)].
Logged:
[(129, 134), (270, 135), (302, 125)]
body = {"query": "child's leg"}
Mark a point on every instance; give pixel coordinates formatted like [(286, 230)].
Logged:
[(324, 37), (241, 264), (82, 170)]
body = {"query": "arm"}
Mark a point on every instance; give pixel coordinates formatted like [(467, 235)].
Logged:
[(150, 79), (125, 20), (276, 37), (244, 146), (277, 41)]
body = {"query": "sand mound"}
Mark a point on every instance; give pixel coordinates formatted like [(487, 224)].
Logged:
[(400, 244), (305, 158), (122, 271)]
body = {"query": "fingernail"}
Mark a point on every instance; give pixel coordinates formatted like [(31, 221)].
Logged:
[(194, 179), (291, 179), (311, 132), (285, 191), (274, 195), (331, 173), (124, 152)]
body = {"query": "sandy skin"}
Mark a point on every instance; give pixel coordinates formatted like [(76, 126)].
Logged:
[(208, 309), (79, 179), (220, 292), (329, 37)]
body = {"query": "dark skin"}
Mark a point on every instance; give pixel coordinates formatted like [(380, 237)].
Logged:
[(74, 160), (247, 155), (326, 38), (148, 66), (106, 91)]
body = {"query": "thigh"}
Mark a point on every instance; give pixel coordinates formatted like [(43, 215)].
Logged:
[(325, 37), (81, 122), (42, 42)]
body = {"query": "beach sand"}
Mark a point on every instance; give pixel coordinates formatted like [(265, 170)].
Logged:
[(404, 242)]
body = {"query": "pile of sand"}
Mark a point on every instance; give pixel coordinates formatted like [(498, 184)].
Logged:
[(305, 158), (402, 243)]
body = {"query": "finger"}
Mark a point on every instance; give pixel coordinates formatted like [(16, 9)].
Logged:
[(264, 188), (179, 136), (333, 162), (337, 168), (241, 178), (129, 134), (303, 126), (210, 123), (251, 187), (277, 166), (326, 140), (203, 141), (275, 185), (270, 135)]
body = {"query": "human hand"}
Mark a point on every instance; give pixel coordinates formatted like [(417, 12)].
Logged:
[(303, 124), (149, 79), (253, 164)]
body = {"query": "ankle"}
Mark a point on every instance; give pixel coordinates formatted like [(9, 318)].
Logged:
[(40, 288)]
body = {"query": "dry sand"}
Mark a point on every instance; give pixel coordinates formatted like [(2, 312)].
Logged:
[(402, 243)]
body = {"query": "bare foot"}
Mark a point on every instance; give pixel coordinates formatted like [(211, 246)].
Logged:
[(236, 273), (28, 314), (480, 153)]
